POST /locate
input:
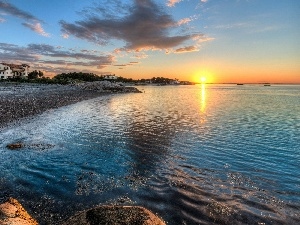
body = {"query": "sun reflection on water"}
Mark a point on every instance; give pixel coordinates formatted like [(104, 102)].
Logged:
[(203, 98)]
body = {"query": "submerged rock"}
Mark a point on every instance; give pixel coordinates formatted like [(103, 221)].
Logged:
[(35, 146), (12, 213), (115, 215), (15, 146)]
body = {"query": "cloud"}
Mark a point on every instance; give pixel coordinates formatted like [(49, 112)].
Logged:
[(239, 25), (36, 28), (121, 65), (11, 52), (51, 51), (183, 21), (126, 65), (145, 26), (66, 68), (32, 22), (2, 20), (65, 36), (12, 10), (139, 55), (172, 3), (49, 56), (187, 49)]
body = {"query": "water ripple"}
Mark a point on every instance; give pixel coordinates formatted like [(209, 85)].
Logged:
[(193, 154)]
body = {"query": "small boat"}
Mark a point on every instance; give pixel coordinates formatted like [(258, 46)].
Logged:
[(239, 84)]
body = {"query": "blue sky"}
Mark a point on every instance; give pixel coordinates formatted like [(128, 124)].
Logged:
[(225, 41)]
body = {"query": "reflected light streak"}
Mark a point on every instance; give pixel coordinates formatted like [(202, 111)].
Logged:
[(203, 97)]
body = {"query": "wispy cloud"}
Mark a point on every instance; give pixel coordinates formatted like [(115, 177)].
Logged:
[(145, 26), (51, 51), (11, 52), (126, 65), (264, 29), (184, 21), (36, 28), (172, 3), (65, 36), (120, 65), (187, 49), (12, 10), (32, 22), (49, 56), (239, 25)]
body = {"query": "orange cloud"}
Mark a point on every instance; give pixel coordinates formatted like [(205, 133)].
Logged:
[(187, 49), (172, 3)]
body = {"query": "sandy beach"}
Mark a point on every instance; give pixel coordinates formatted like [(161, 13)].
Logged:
[(23, 100)]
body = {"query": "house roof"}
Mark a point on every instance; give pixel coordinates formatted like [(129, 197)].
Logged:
[(15, 66)]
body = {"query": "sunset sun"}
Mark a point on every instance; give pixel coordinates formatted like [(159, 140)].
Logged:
[(204, 76)]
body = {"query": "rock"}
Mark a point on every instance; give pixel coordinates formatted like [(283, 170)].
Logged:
[(12, 213), (115, 215), (107, 86), (15, 146)]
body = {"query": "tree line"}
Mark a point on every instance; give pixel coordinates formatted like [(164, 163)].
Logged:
[(37, 76)]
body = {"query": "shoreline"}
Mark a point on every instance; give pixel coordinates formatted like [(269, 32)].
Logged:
[(22, 100)]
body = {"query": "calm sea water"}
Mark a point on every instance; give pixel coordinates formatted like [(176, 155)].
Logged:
[(203, 154)]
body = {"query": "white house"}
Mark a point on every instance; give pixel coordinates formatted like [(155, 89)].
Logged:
[(13, 70), (109, 77)]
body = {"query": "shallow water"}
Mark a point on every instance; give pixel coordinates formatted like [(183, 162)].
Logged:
[(203, 154)]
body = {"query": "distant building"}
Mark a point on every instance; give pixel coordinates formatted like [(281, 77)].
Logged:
[(175, 81), (110, 77), (12, 70)]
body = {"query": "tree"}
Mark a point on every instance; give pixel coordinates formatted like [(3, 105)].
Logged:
[(35, 74), (65, 77), (41, 74)]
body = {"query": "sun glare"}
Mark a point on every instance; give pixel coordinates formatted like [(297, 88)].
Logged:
[(203, 76)]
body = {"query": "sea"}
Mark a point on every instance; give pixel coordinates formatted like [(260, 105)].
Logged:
[(192, 154)]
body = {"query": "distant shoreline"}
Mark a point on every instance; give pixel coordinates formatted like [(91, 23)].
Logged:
[(21, 100)]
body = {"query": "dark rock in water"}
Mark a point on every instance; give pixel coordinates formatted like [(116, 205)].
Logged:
[(35, 146), (15, 146), (115, 215)]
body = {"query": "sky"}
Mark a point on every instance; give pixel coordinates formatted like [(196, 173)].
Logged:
[(224, 41)]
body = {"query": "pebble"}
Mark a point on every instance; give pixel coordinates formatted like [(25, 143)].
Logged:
[(22, 100)]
